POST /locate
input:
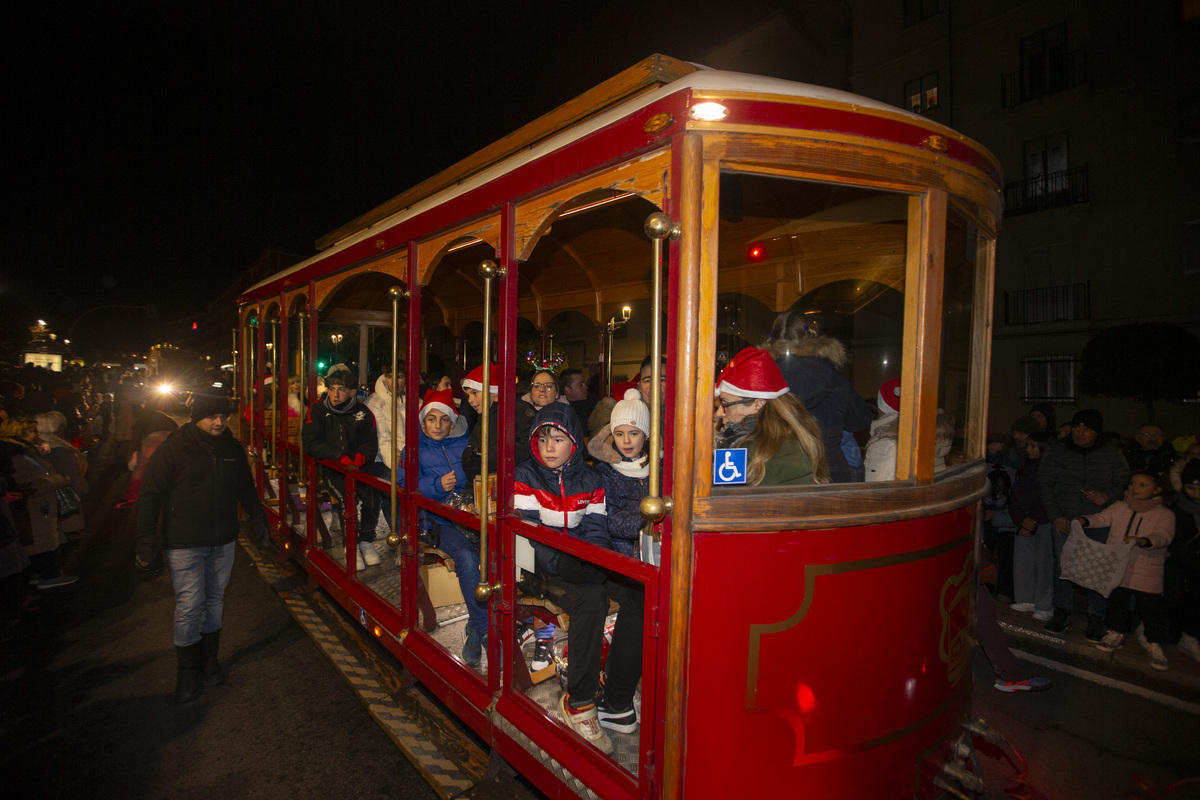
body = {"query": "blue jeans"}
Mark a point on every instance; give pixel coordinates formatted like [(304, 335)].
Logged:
[(466, 566), (199, 575), (1032, 566)]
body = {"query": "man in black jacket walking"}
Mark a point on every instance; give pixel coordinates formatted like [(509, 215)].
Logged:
[(195, 480)]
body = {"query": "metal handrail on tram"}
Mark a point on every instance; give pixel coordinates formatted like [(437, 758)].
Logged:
[(654, 507), (301, 317), (397, 294), (488, 270)]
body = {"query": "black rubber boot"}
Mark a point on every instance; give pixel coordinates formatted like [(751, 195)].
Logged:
[(209, 644), (188, 685)]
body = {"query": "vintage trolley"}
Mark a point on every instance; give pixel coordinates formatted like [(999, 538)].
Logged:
[(810, 641)]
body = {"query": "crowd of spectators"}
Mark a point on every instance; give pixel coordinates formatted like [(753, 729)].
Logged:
[(49, 424), (1141, 493)]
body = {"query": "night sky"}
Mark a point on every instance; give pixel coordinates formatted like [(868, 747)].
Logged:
[(154, 150)]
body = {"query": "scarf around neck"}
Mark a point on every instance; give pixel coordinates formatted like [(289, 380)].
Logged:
[(1142, 506), (344, 408), (639, 468)]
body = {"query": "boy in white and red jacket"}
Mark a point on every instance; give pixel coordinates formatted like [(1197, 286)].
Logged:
[(556, 489)]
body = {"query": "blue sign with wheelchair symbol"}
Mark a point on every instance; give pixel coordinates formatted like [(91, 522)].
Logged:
[(729, 466), (362, 617)]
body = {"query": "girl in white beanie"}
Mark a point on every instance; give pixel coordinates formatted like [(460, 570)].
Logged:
[(621, 450)]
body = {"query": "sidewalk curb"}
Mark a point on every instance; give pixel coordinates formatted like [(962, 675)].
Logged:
[(1129, 664)]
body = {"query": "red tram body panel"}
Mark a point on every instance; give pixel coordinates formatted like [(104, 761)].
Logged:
[(813, 640)]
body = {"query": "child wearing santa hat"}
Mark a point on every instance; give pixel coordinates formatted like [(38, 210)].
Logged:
[(441, 442)]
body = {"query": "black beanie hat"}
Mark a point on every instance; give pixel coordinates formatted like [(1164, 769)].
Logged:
[(205, 405), (1089, 418)]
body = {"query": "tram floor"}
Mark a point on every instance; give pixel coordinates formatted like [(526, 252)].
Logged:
[(384, 580)]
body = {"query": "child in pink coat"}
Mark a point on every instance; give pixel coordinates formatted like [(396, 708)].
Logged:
[(1140, 519)]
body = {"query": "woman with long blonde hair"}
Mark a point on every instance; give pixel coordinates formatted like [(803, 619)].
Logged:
[(759, 413)]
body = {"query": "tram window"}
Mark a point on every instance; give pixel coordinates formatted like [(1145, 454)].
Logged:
[(965, 249), (832, 258)]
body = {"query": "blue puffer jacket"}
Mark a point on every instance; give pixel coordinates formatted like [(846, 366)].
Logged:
[(569, 499), (436, 458), (622, 494)]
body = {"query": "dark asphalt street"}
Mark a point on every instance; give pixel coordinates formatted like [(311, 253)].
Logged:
[(86, 681)]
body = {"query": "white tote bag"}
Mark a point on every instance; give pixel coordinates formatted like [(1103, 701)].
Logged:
[(1094, 565)]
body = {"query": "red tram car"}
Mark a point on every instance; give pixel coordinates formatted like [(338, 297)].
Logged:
[(810, 641)]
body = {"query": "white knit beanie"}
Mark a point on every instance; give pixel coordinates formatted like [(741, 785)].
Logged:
[(631, 411)]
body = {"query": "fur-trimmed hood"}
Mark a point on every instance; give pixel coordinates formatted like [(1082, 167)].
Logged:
[(825, 347)]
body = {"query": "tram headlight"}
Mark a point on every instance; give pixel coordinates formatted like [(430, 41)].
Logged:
[(165, 388), (708, 112)]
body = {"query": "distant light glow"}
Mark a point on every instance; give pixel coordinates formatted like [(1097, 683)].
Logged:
[(757, 252), (165, 388), (709, 112)]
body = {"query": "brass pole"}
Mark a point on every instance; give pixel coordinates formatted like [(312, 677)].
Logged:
[(397, 294), (653, 506), (273, 461), (488, 270), (300, 472)]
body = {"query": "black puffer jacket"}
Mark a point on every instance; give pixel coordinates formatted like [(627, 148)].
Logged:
[(810, 367), (331, 432), (196, 481)]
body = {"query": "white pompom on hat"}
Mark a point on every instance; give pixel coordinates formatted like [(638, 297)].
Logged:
[(889, 396), (442, 400), (474, 379), (631, 411), (752, 373)]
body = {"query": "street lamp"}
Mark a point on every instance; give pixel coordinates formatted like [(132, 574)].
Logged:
[(336, 338), (613, 326)]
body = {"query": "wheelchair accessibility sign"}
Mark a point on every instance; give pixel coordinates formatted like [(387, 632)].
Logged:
[(729, 466)]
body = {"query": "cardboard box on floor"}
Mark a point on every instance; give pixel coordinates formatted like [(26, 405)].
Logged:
[(442, 585)]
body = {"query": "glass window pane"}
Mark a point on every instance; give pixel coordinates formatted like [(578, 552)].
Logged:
[(825, 265), (963, 249)]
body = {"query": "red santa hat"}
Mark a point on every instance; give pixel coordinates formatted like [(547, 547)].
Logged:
[(752, 373), (474, 379), (440, 400), (889, 397)]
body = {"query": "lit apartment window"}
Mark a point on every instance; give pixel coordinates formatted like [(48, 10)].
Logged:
[(917, 10), (921, 95), (1050, 379)]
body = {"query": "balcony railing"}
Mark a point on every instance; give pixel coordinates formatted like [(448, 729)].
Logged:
[(1058, 189), (1056, 72), (1049, 304)]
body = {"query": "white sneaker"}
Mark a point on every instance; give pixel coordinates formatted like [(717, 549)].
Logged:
[(1190, 646), (1043, 616), (1023, 608), (359, 564), (1111, 641), (1140, 634), (586, 723), (369, 554), (1157, 659)]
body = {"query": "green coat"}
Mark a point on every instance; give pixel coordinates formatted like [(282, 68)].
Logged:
[(789, 467)]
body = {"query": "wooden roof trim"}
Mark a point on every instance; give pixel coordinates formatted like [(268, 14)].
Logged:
[(653, 72)]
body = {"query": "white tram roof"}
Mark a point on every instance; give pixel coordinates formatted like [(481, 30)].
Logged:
[(693, 77)]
